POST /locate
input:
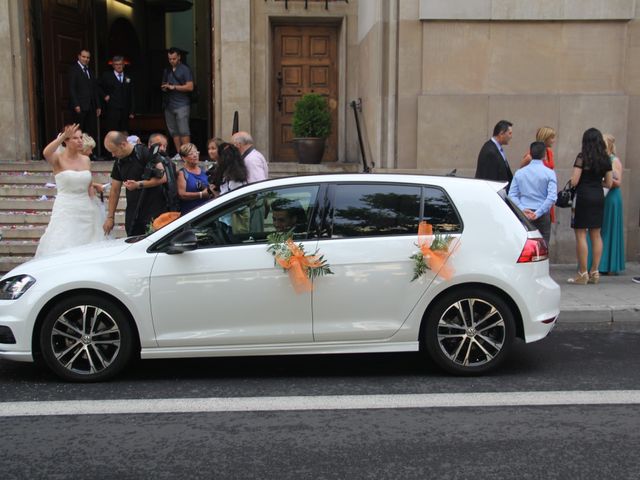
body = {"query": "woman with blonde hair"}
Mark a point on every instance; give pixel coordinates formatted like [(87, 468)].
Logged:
[(88, 144), (612, 261), (548, 136), (193, 184)]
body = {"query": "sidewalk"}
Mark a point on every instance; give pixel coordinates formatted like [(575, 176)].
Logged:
[(614, 299)]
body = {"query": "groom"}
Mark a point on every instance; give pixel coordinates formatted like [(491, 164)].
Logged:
[(145, 198)]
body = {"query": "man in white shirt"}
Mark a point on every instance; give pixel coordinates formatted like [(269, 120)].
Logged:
[(257, 168)]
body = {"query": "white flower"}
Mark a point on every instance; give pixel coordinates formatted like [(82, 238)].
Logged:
[(127, 80)]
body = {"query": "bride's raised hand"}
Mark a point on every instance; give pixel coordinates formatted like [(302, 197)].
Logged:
[(69, 130)]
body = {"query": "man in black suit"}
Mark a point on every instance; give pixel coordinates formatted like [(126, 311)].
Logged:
[(117, 93), (492, 161), (83, 95)]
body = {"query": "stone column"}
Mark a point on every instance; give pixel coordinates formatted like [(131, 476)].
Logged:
[(234, 65), (14, 105)]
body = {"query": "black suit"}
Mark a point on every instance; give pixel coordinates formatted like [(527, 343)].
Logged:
[(120, 104), (83, 93), (491, 165)]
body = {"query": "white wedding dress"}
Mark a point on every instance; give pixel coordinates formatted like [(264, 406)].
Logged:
[(76, 218)]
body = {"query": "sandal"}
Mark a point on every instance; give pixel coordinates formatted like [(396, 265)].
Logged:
[(594, 277), (582, 278)]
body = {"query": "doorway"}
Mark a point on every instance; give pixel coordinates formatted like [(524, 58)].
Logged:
[(305, 60), (141, 32)]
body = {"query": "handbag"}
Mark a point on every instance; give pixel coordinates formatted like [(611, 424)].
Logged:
[(565, 196)]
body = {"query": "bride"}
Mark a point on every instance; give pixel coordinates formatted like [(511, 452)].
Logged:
[(75, 218)]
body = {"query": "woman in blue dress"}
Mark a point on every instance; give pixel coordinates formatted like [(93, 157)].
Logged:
[(192, 181), (612, 260)]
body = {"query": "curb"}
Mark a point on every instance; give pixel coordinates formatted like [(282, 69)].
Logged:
[(601, 315)]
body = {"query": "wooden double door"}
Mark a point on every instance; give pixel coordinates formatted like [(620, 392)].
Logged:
[(64, 33), (305, 60)]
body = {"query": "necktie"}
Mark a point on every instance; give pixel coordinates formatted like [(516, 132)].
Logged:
[(86, 72), (120, 77)]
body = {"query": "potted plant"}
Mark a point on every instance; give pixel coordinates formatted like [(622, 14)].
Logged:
[(311, 126)]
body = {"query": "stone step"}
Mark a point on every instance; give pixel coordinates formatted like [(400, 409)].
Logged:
[(18, 247), (12, 190), (21, 232), (275, 168), (41, 179), (29, 204), (42, 217), (43, 166), (33, 191), (27, 232), (8, 263), (27, 248), (281, 169)]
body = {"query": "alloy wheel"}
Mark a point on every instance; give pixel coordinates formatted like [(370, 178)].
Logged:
[(85, 339), (471, 332)]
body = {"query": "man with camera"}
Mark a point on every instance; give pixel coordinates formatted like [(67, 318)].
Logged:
[(143, 175)]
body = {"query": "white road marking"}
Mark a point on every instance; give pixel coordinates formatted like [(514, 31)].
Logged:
[(327, 402)]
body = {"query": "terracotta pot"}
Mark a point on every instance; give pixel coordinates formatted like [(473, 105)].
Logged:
[(309, 150)]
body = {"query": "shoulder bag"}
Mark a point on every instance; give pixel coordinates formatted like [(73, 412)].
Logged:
[(566, 196)]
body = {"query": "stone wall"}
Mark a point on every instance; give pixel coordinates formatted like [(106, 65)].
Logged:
[(570, 65)]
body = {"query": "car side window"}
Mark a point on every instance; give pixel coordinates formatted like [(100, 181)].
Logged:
[(252, 217), (440, 212), (375, 209)]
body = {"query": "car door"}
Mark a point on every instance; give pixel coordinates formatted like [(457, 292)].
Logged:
[(228, 290), (371, 233)]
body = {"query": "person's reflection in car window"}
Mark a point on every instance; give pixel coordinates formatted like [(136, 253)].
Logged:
[(288, 215)]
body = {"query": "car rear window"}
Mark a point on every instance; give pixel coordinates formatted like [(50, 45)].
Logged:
[(518, 213), (440, 212)]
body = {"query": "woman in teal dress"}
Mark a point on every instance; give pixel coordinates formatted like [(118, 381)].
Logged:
[(612, 232)]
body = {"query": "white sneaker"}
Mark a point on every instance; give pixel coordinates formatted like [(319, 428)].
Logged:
[(635, 279)]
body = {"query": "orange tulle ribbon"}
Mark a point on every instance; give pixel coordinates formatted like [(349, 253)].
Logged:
[(435, 259), (297, 265), (164, 219)]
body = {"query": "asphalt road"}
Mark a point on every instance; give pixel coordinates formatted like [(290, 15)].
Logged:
[(477, 440)]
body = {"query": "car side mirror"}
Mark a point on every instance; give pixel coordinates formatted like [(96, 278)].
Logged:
[(183, 242)]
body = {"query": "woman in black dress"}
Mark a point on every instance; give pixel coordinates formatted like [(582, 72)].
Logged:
[(591, 172)]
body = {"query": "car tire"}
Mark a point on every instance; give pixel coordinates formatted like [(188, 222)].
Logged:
[(469, 331), (86, 339)]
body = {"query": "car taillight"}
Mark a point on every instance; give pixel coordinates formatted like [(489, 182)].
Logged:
[(535, 250)]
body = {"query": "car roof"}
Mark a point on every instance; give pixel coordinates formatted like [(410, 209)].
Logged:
[(441, 180)]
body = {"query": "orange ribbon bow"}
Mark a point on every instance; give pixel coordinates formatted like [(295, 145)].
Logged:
[(165, 219), (297, 265), (435, 259)]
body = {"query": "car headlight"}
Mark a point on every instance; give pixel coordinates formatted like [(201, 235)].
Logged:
[(12, 288)]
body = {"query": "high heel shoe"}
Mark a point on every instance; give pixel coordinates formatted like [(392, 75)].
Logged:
[(582, 278), (594, 277)]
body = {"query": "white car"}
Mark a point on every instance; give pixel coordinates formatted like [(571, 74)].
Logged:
[(206, 284)]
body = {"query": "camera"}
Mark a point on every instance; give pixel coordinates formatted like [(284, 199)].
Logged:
[(150, 170), (211, 173)]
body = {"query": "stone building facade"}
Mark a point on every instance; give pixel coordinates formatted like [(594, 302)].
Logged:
[(432, 78)]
